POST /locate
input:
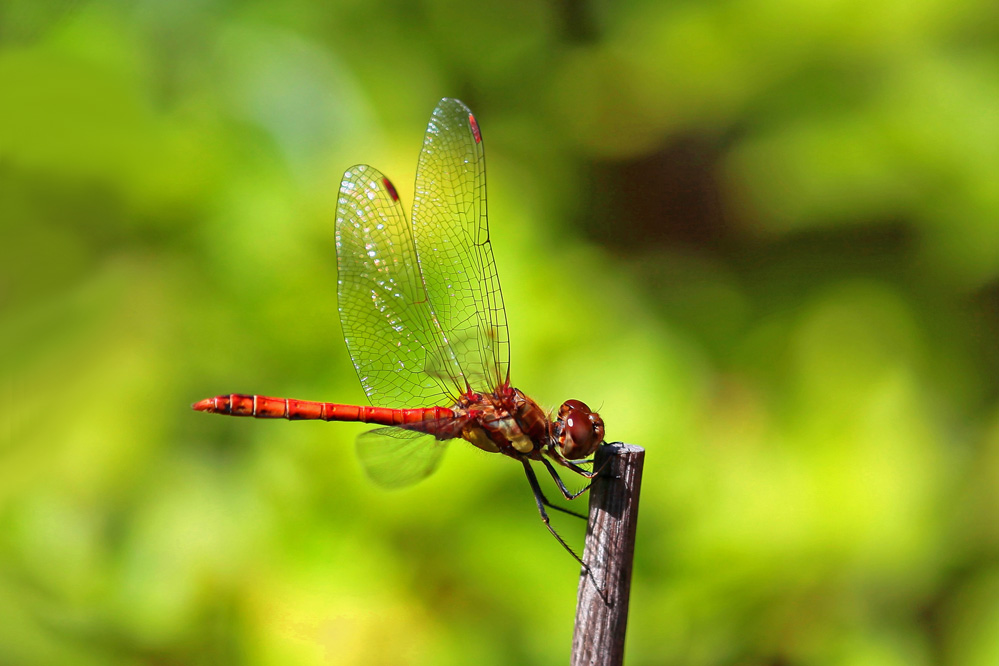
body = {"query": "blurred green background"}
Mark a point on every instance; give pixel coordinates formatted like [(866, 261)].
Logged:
[(760, 236)]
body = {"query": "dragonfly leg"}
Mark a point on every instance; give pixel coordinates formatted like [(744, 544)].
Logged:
[(564, 510), (561, 486), (539, 498), (582, 472), (565, 492)]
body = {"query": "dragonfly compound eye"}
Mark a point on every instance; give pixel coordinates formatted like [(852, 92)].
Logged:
[(583, 432), (570, 405)]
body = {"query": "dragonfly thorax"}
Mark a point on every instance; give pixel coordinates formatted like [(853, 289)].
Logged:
[(506, 421)]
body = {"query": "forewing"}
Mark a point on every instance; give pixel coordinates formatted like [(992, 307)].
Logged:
[(395, 458), (391, 332), (451, 232)]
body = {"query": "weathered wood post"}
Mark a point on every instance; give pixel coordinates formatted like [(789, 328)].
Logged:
[(604, 590)]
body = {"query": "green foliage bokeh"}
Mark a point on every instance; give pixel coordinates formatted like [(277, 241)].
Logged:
[(761, 237)]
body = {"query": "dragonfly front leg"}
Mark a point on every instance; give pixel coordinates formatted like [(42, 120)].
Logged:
[(582, 472)]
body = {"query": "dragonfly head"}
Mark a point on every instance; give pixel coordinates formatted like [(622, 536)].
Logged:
[(578, 429)]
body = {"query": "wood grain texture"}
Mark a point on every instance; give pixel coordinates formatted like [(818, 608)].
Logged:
[(604, 590)]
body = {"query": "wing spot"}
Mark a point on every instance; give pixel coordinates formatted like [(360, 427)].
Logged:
[(391, 189)]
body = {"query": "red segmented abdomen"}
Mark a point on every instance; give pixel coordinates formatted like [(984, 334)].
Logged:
[(263, 407)]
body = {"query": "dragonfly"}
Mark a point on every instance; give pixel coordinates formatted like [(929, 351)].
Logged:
[(424, 322)]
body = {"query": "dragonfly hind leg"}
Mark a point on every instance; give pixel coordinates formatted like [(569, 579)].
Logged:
[(542, 502), (539, 498)]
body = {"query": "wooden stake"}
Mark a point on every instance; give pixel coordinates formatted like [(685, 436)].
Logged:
[(604, 590)]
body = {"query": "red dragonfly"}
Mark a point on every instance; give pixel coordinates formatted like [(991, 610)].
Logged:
[(423, 318)]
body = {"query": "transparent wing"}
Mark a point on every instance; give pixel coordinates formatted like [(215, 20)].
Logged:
[(421, 305), (451, 232), (391, 332), (395, 458)]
